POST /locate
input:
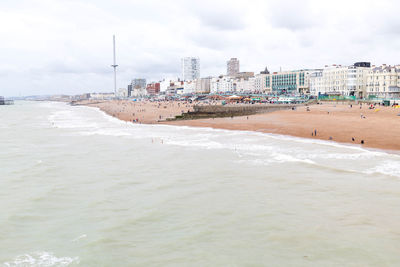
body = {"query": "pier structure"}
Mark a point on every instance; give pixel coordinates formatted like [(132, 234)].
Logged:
[(3, 101)]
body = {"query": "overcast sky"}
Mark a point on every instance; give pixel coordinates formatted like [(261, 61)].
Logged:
[(65, 46)]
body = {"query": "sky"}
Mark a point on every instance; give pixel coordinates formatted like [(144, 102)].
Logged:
[(65, 46)]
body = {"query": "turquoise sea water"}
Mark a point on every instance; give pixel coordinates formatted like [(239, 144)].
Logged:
[(80, 188)]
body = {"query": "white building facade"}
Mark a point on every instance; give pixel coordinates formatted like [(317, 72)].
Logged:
[(189, 87), (384, 82), (260, 85), (190, 68), (221, 84), (340, 80)]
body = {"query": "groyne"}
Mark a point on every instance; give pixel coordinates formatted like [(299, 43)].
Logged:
[(220, 111)]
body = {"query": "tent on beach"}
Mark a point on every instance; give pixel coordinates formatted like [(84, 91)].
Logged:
[(235, 97)]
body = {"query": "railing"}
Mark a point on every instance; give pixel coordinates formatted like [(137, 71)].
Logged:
[(336, 97)]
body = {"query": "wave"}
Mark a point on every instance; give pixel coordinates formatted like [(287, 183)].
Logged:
[(390, 168), (261, 148), (41, 259)]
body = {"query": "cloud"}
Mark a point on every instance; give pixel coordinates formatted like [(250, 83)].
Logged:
[(218, 15), (292, 15), (65, 46)]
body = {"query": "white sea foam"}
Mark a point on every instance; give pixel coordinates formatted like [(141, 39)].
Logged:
[(391, 168), (262, 148), (41, 259)]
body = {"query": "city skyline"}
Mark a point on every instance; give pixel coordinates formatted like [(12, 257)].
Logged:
[(48, 53)]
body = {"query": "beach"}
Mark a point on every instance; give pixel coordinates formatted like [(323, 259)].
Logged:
[(140, 112), (373, 128)]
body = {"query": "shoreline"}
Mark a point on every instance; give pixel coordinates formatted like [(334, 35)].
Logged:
[(379, 128)]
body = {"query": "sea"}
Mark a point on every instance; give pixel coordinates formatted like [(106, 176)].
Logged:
[(81, 188)]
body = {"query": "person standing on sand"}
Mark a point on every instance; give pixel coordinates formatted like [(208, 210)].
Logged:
[(315, 132)]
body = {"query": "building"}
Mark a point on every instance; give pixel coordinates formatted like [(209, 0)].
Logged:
[(203, 85), (232, 67), (265, 71), (243, 75), (260, 83), (288, 82), (384, 81), (129, 90), (221, 84), (342, 80), (122, 93), (316, 83), (102, 96), (139, 92), (153, 88), (189, 87), (190, 68), (244, 85), (138, 83), (175, 87)]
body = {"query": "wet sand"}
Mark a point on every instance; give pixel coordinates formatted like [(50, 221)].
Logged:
[(378, 128)]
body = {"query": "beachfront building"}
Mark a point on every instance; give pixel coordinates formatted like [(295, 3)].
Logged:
[(175, 88), (135, 84), (316, 83), (344, 80), (138, 83), (244, 85), (384, 81), (232, 67), (139, 92), (153, 88), (288, 82), (165, 83), (190, 68), (102, 96), (122, 93), (203, 85), (221, 84), (189, 87), (260, 84)]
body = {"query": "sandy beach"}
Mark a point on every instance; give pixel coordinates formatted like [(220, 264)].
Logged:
[(377, 128), (140, 112)]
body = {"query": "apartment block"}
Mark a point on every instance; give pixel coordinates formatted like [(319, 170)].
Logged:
[(384, 81)]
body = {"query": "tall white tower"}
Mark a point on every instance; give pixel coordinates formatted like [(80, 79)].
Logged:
[(115, 68), (190, 68)]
